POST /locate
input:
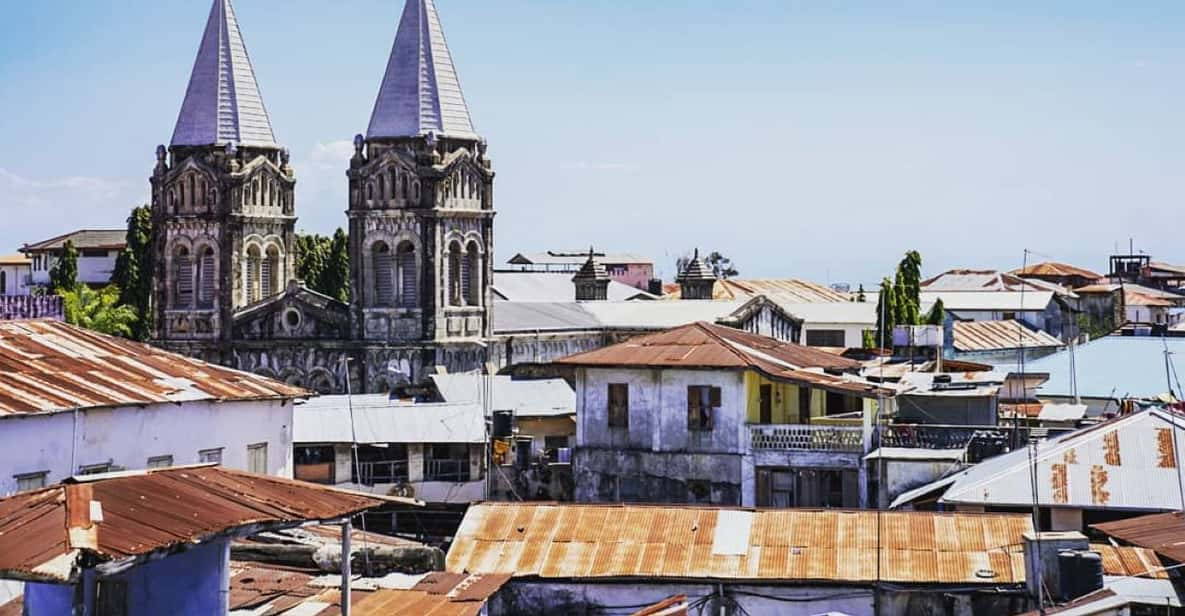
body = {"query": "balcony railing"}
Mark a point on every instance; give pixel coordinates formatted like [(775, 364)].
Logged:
[(446, 470), (806, 437), (370, 473), (981, 442)]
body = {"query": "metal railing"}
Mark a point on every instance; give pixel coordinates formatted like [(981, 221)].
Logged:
[(446, 470), (370, 473), (981, 442), (805, 437)]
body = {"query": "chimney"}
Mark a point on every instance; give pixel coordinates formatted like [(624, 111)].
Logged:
[(592, 281), (697, 280), (1044, 564), (654, 287)]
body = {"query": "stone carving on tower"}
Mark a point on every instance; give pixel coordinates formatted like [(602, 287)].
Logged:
[(222, 196), (421, 207)]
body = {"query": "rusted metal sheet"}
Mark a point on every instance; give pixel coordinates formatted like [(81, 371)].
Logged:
[(1129, 561), (1166, 455), (1111, 453), (1161, 532), (790, 544), (1099, 494), (48, 366), (1061, 485), (149, 511), (971, 336)]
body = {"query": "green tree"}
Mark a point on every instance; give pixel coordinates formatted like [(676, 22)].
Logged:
[(885, 311), (937, 314), (909, 288), (63, 276), (335, 280), (133, 270), (721, 266), (99, 310)]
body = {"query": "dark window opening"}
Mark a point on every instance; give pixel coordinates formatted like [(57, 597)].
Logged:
[(767, 404), (380, 464), (825, 338), (619, 405), (703, 401), (446, 463)]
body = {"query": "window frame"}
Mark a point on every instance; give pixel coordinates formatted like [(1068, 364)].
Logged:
[(155, 461), (701, 417), (253, 450), (42, 476), (617, 405), (207, 456)]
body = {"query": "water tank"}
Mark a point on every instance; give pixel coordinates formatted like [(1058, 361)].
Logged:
[(1080, 572), (503, 424)]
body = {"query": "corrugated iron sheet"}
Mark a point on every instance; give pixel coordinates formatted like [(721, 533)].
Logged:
[(49, 366), (972, 336), (705, 345), (1130, 561), (1162, 532), (1054, 269), (787, 545), (43, 532)]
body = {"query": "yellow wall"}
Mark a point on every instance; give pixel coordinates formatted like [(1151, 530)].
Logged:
[(785, 400)]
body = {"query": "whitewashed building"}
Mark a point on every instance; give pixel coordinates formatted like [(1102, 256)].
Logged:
[(16, 275), (97, 251), (73, 401)]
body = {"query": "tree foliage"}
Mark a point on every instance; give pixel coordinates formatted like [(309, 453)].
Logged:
[(937, 314), (133, 270), (335, 280), (323, 263), (99, 310), (63, 276), (899, 302)]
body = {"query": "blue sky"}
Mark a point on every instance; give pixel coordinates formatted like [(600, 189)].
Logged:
[(817, 140)]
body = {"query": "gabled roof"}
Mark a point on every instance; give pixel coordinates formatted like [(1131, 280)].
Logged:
[(111, 239), (420, 92), (1127, 463), (704, 345), (1161, 532), (582, 542), (987, 280), (48, 366), (222, 103), (1053, 269), (44, 534), (972, 336)]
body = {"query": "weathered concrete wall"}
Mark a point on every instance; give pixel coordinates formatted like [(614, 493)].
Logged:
[(608, 475), (128, 436), (577, 599), (903, 475)]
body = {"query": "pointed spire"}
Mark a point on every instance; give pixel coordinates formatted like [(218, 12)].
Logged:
[(592, 281), (222, 103), (697, 280), (420, 93)]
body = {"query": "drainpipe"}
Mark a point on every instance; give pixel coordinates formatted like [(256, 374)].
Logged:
[(347, 527)]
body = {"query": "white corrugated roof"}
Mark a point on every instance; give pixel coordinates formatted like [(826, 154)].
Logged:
[(420, 92), (552, 287), (222, 103), (1012, 301), (846, 313), (326, 419), (1127, 463), (527, 398)]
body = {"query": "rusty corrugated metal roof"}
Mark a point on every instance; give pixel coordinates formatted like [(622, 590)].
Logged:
[(43, 533), (629, 541), (999, 335), (1130, 561), (49, 366), (789, 290), (254, 587), (705, 345), (1054, 269), (1161, 532)]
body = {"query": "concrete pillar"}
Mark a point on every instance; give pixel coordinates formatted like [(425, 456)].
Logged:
[(415, 462)]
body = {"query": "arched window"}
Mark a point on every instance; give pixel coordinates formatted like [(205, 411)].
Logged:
[(473, 272), (205, 198), (394, 184), (456, 274), (369, 191), (270, 274), (407, 282), (403, 182), (3, 283), (181, 196), (192, 193), (255, 192), (415, 191), (384, 280), (205, 277), (382, 186), (183, 278), (254, 263)]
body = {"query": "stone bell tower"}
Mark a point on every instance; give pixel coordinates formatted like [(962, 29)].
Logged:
[(421, 211), (222, 200)]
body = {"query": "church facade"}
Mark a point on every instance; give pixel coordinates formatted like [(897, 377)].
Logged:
[(420, 220)]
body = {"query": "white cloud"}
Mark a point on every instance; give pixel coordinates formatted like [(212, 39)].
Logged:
[(321, 186), (335, 154), (34, 209)]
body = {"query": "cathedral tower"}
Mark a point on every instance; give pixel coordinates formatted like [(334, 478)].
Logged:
[(421, 208), (222, 199)]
